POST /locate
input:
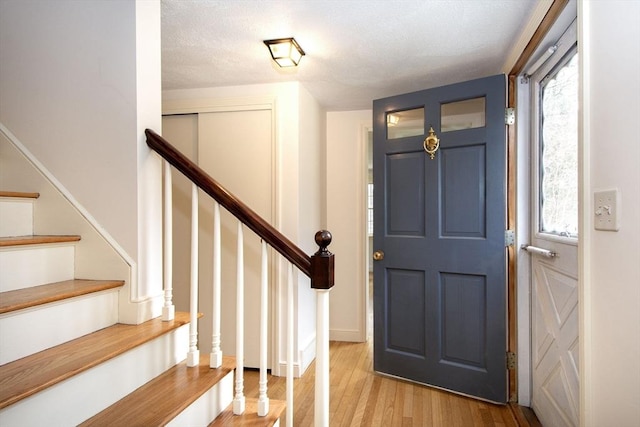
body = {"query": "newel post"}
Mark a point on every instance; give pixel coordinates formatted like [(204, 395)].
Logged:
[(322, 274)]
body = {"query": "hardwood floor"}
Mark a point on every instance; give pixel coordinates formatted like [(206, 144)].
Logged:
[(360, 397)]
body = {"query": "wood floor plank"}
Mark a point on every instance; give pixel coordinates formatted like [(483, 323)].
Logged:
[(27, 376), (30, 297), (163, 398), (417, 412), (36, 240), (250, 418), (524, 416), (354, 388), (360, 397), (397, 408), (407, 409), (361, 404)]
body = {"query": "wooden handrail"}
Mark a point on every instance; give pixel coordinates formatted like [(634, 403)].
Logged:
[(318, 267)]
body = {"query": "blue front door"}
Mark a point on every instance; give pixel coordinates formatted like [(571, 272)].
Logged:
[(439, 236)]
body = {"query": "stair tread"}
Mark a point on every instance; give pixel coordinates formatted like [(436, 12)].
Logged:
[(20, 194), (163, 398), (250, 416), (29, 375), (37, 239), (20, 299)]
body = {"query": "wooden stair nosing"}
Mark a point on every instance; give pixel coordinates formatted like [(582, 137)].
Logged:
[(20, 299), (20, 194), (250, 417), (29, 375), (36, 240), (165, 397)]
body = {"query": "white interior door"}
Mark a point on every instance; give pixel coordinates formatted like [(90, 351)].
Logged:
[(554, 243), (235, 148), (181, 130)]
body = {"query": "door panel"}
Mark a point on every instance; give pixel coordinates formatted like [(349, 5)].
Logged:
[(405, 214), (555, 338), (405, 302), (464, 315), (440, 290), (463, 195)]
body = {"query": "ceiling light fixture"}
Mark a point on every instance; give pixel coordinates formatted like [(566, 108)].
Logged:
[(286, 52)]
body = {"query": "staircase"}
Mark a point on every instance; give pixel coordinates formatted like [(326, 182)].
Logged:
[(64, 359)]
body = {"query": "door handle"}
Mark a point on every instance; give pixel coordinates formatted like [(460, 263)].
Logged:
[(538, 251), (378, 255)]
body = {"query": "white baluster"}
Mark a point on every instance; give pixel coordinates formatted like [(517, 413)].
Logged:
[(322, 359), (263, 400), (168, 309), (289, 381), (239, 400), (215, 359), (193, 357)]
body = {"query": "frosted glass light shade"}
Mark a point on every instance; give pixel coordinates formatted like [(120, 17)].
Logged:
[(285, 52)]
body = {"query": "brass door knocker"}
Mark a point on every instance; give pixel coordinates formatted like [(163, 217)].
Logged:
[(431, 143)]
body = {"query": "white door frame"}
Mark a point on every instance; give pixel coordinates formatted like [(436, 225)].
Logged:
[(277, 322)]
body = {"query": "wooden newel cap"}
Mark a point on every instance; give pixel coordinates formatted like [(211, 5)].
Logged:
[(322, 262), (323, 239)]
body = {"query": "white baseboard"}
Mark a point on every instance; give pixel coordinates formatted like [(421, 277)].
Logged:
[(305, 356), (136, 312), (347, 335)]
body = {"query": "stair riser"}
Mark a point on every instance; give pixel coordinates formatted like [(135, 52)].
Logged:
[(23, 267), (32, 330), (208, 406), (80, 397), (17, 217)]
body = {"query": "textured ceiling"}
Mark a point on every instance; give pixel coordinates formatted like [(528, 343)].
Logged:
[(356, 50)]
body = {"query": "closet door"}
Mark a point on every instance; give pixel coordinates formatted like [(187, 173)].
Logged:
[(236, 149), (181, 130)]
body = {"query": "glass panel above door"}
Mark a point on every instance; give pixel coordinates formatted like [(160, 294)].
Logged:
[(467, 114), (401, 124)]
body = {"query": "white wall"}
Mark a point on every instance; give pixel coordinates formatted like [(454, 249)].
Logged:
[(78, 83), (346, 183), (69, 94), (610, 270)]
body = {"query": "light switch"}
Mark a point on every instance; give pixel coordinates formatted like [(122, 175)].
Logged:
[(606, 210)]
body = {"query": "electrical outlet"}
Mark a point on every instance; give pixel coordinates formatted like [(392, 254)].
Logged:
[(606, 210)]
